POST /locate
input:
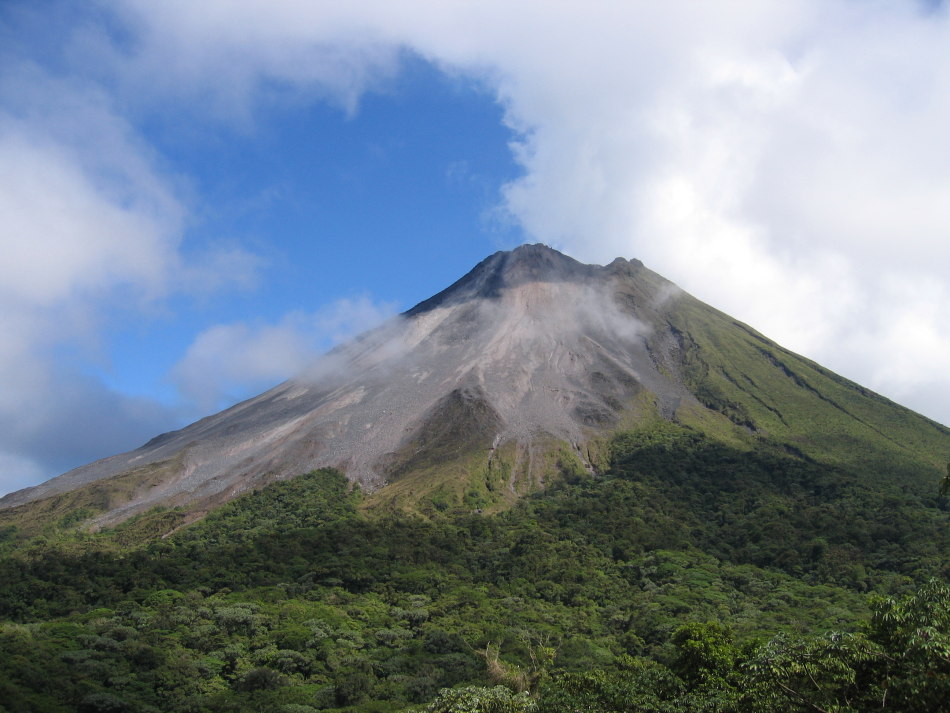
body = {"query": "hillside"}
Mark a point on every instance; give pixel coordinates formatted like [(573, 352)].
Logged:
[(598, 588), (550, 487), (522, 369)]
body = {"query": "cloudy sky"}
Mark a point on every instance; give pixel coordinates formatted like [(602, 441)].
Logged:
[(196, 198)]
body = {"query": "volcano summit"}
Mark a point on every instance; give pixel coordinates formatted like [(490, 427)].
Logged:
[(520, 370)]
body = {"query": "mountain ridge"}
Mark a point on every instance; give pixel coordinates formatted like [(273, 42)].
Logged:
[(545, 357)]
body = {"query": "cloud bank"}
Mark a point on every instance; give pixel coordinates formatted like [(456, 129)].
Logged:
[(786, 162)]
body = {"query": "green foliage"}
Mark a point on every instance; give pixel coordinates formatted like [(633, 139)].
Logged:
[(901, 663), (640, 686), (914, 633), (480, 699), (809, 674), (765, 391), (704, 652), (75, 517), (650, 587), (769, 507)]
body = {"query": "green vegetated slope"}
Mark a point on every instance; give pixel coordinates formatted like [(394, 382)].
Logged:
[(749, 392), (760, 386), (82, 503), (691, 575)]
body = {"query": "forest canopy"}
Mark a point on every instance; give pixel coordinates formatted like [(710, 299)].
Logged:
[(689, 576)]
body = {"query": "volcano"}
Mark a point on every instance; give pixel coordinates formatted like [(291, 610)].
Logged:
[(519, 372)]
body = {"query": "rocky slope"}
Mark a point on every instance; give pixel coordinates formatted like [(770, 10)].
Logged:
[(519, 369)]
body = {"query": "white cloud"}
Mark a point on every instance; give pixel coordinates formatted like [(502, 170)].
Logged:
[(228, 362), (59, 228), (223, 56), (784, 161), (91, 226), (81, 213), (17, 472)]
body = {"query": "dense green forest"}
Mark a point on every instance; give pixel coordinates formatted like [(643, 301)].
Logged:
[(690, 576)]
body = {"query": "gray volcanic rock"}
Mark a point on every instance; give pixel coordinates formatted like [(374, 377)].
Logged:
[(530, 344)]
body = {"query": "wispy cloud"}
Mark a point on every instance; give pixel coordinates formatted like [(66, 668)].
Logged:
[(228, 362)]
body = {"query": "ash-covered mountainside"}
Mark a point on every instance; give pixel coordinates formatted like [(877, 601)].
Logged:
[(529, 360)]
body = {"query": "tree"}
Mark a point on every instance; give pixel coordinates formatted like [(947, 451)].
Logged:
[(705, 652), (816, 674), (639, 685), (914, 632), (480, 699), (901, 665)]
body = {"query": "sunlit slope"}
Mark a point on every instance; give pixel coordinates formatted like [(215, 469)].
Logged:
[(773, 393), (516, 375)]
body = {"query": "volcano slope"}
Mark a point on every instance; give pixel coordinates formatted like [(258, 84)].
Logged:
[(519, 372), (630, 502)]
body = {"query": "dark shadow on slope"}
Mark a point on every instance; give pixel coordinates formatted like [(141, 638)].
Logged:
[(460, 423)]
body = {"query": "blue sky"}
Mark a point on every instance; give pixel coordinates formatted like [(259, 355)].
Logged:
[(199, 198), (387, 203)]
